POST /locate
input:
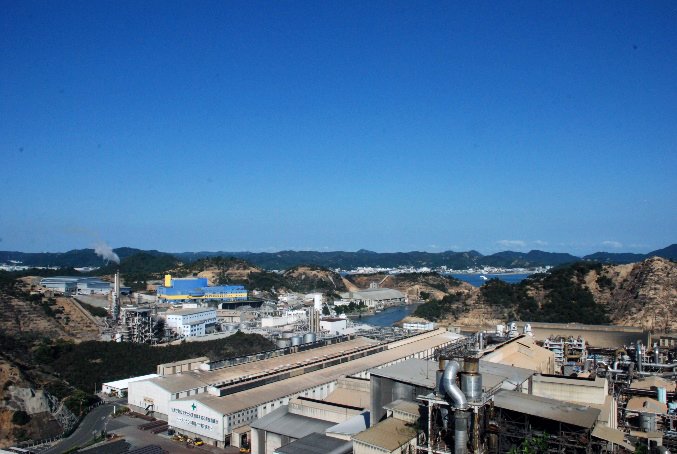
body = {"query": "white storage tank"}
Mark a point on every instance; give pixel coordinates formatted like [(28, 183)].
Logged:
[(283, 343), (296, 340), (309, 338)]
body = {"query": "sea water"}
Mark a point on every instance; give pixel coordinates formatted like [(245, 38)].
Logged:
[(477, 281)]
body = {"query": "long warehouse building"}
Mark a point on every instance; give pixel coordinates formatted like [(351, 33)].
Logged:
[(210, 404)]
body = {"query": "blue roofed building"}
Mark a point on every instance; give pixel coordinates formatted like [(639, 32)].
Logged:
[(183, 290)]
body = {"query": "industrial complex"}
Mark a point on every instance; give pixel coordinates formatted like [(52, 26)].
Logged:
[(428, 392), (332, 385)]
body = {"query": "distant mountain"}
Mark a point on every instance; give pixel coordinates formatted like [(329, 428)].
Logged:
[(510, 259), (615, 257), (71, 259), (669, 252), (284, 260)]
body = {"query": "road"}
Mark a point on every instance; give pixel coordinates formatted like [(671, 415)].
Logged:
[(90, 427)]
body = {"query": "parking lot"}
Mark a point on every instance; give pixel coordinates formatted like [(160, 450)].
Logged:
[(127, 428)]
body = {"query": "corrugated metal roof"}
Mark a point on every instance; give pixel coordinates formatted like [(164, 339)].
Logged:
[(352, 426), (350, 397), (278, 390), (123, 384), (281, 422), (389, 434), (415, 371), (403, 406), (316, 444), (495, 373), (576, 415), (613, 436)]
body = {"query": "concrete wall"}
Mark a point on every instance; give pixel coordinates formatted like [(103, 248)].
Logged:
[(596, 336), (570, 389), (142, 393)]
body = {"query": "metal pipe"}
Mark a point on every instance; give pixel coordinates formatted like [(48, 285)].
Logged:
[(449, 383), (461, 432)]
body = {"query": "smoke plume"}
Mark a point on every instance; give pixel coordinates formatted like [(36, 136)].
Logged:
[(106, 253)]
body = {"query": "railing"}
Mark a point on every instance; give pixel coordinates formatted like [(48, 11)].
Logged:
[(65, 434)]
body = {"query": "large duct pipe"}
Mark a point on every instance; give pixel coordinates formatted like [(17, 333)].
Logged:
[(449, 384), (460, 432)]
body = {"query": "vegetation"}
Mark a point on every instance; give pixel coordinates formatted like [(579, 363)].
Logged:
[(350, 308), (566, 299), (20, 417), (449, 306), (532, 445), (95, 311), (87, 364)]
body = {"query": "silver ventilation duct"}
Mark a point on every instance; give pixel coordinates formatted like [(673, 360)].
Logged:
[(452, 391)]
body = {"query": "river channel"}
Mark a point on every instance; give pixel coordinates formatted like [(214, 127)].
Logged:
[(388, 316)]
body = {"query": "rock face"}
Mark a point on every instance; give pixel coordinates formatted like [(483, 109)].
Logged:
[(640, 294), (308, 278), (41, 415)]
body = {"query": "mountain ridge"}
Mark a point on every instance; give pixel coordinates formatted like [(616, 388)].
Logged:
[(345, 260)]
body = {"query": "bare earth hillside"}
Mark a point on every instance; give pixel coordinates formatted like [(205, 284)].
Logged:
[(640, 294), (415, 284)]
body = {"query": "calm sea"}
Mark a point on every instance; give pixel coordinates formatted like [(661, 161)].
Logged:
[(477, 281)]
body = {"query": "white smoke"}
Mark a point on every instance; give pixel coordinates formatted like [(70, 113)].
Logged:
[(106, 253)]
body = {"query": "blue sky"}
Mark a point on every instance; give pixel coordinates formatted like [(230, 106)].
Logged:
[(391, 126)]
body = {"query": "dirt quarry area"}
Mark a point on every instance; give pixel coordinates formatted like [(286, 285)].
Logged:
[(77, 321)]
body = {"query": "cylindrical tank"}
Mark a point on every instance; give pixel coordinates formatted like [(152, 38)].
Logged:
[(296, 340), (309, 338), (471, 385), (662, 395), (287, 335), (471, 365), (647, 422), (283, 343)]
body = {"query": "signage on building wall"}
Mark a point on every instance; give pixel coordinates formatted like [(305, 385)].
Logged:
[(193, 419)]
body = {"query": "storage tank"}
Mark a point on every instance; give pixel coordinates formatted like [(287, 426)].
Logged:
[(471, 385), (647, 422), (283, 343), (309, 338), (287, 335), (296, 340)]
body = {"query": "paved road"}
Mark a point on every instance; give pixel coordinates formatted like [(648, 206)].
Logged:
[(89, 428)]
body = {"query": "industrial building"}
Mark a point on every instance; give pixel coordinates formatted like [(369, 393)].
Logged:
[(186, 290), (211, 404), (372, 297), (192, 322), (70, 285), (119, 387)]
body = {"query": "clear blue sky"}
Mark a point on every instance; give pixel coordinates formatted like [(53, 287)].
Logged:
[(391, 126)]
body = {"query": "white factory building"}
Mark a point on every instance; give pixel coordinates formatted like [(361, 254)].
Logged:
[(287, 318), (372, 297), (192, 322), (213, 404)]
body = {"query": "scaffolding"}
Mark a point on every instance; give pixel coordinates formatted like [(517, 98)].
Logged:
[(136, 325)]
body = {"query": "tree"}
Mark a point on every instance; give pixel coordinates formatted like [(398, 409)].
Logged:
[(325, 310), (159, 329)]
